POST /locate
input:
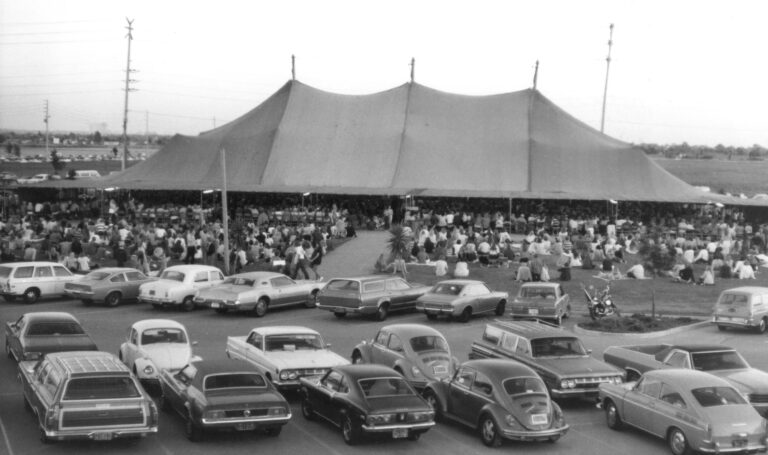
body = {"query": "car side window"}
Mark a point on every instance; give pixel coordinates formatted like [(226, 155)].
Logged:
[(24, 272), (201, 277), (464, 377), (649, 387), (135, 276), (280, 282), (61, 271), (510, 342), (344, 386), (119, 278), (395, 344), (376, 286), (333, 381), (398, 284), (523, 347), (671, 396), (381, 338), (678, 359), (482, 385), (255, 341), (216, 276), (43, 272)]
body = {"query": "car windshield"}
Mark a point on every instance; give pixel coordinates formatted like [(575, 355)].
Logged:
[(96, 276), (240, 281), (557, 347), (429, 343), (723, 360), (385, 387), (55, 328), (101, 388), (172, 275), (163, 335), (233, 380), (447, 289), (293, 342), (717, 396), (537, 292), (524, 386)]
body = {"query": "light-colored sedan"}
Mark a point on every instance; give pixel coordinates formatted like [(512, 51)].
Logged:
[(692, 410), (111, 285), (418, 352), (178, 286), (541, 300), (156, 344), (257, 292), (461, 299)]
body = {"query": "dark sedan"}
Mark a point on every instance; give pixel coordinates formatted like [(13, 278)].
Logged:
[(227, 395), (363, 399), (503, 399), (35, 334), (111, 285)]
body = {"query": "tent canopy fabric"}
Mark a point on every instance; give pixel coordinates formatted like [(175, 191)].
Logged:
[(410, 140)]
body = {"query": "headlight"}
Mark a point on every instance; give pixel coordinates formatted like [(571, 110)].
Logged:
[(617, 380), (512, 422), (379, 419), (567, 384), (423, 416), (214, 415), (277, 411), (288, 375), (148, 369), (416, 371)]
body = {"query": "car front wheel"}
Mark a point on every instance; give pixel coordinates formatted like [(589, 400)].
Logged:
[(261, 308), (188, 304), (612, 417), (113, 299), (466, 315)]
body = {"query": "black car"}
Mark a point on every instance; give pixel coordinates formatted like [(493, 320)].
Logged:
[(223, 395), (362, 399)]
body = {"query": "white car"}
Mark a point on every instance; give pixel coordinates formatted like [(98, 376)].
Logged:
[(156, 344), (32, 280), (178, 286), (285, 354), (35, 178)]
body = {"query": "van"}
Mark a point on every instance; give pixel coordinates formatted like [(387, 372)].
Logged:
[(744, 307), (87, 174), (33, 280)]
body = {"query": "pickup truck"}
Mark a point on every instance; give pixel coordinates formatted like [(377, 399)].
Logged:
[(285, 354), (721, 361)]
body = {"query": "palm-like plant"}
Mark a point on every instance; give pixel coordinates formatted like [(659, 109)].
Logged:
[(398, 241)]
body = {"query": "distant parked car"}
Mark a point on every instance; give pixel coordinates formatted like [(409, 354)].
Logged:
[(374, 295), (35, 334), (541, 300), (461, 299), (503, 399), (418, 352), (35, 178), (110, 285), (257, 292), (33, 280), (744, 307), (223, 395), (178, 286), (692, 410), (363, 399), (153, 345), (87, 174)]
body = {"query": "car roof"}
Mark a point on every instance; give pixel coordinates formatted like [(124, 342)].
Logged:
[(410, 330), (689, 379), (500, 369), (367, 370), (28, 263), (191, 267), (145, 324), (461, 282), (115, 269), (257, 275), (222, 365), (540, 284), (83, 363), (694, 347), (49, 316), (284, 329), (365, 278), (748, 289), (531, 329)]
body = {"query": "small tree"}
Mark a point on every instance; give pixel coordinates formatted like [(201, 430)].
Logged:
[(97, 139), (398, 242), (56, 162), (17, 150), (657, 257)]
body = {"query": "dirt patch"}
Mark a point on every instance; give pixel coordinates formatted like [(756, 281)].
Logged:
[(637, 323)]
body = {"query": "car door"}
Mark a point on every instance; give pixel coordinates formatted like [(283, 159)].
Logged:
[(379, 347), (323, 397), (479, 293), (640, 403), (62, 276), (400, 296), (281, 291), (117, 282), (177, 388), (133, 281), (394, 351), (459, 399), (670, 405), (14, 341), (131, 347), (46, 282)]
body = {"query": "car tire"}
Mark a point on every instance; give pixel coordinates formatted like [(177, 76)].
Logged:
[(357, 358), (350, 431), (31, 295), (260, 309), (431, 397), (465, 315), (761, 326), (222, 310), (312, 300), (306, 410), (87, 302), (193, 430), (489, 431), (612, 417), (273, 431), (188, 304), (113, 299), (339, 314), (500, 308), (722, 328), (677, 442), (382, 312), (431, 316)]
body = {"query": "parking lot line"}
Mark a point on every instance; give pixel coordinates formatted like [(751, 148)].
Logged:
[(5, 437)]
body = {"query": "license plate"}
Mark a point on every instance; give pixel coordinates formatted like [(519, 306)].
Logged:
[(102, 436), (739, 443), (245, 426), (539, 419), (533, 311), (214, 305), (440, 369), (398, 433)]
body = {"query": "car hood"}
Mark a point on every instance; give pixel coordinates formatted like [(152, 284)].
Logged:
[(748, 380), (586, 366), (320, 358), (169, 356), (731, 419)]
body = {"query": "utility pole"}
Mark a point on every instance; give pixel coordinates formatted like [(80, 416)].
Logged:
[(127, 89), (536, 75), (45, 119), (293, 67), (607, 70), (413, 69), (224, 209)]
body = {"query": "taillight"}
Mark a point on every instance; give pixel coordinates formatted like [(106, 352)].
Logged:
[(52, 417), (153, 416)]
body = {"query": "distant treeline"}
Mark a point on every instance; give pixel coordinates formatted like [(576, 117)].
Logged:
[(705, 152)]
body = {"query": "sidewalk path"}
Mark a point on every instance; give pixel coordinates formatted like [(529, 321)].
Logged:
[(356, 256)]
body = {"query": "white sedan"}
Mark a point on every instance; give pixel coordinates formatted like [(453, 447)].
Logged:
[(156, 344), (179, 285)]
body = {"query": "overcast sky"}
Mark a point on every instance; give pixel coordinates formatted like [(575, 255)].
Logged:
[(690, 71)]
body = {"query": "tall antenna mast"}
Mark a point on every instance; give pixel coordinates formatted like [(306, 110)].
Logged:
[(293, 67), (45, 119), (413, 68), (607, 70), (127, 89), (536, 74)]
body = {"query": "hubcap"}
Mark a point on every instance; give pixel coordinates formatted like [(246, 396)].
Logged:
[(611, 415), (489, 430), (677, 442)]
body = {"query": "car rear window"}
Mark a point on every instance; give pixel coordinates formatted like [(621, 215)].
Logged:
[(734, 300), (717, 396), (524, 385), (96, 276), (5, 272), (172, 275), (230, 381), (447, 289), (385, 387), (537, 292), (101, 388), (55, 328)]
